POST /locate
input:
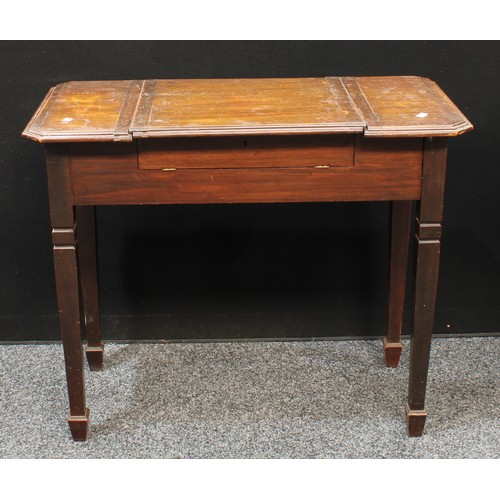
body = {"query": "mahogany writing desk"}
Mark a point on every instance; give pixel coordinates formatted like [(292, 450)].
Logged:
[(246, 141)]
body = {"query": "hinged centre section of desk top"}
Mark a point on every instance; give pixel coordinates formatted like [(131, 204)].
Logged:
[(393, 106)]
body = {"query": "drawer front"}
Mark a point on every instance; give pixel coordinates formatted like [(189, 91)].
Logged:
[(246, 152)]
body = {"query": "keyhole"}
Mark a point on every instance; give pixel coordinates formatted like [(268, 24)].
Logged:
[(245, 143)]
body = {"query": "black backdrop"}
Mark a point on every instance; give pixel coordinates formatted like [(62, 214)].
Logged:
[(239, 271)]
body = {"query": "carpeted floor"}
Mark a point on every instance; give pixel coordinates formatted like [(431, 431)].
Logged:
[(328, 399)]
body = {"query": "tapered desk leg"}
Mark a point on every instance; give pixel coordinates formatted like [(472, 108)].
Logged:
[(428, 242), (66, 274), (66, 280), (398, 267), (85, 221)]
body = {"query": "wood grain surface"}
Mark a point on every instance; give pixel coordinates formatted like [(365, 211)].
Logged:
[(405, 106), (124, 110), (246, 106), (86, 111)]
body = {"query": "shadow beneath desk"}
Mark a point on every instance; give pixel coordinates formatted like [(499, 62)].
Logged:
[(209, 386), (251, 272), (245, 383)]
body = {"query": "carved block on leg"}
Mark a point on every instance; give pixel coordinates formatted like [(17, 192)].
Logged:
[(392, 353), (416, 421), (95, 357), (79, 426)]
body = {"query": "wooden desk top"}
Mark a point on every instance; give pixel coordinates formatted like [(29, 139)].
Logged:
[(393, 106)]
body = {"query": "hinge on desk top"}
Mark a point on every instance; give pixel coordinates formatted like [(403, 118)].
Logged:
[(169, 169), (322, 166)]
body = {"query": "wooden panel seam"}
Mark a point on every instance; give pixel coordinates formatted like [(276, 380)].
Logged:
[(359, 101), (140, 122), (128, 111)]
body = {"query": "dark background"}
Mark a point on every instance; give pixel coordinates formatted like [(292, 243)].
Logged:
[(249, 271)]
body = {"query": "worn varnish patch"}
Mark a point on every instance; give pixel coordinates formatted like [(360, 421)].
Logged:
[(245, 106), (86, 112), (405, 106)]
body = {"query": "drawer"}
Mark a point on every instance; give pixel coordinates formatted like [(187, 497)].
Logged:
[(246, 152)]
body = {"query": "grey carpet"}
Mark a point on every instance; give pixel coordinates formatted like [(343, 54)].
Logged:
[(329, 399)]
